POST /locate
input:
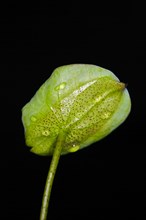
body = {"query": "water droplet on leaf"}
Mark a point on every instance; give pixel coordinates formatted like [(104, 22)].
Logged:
[(105, 115), (61, 86), (45, 133), (74, 148), (33, 118)]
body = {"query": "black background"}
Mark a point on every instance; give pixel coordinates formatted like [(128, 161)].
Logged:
[(110, 174)]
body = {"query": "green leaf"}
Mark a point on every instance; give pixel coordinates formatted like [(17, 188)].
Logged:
[(84, 101)]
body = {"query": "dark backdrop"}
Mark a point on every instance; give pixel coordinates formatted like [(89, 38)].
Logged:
[(109, 175)]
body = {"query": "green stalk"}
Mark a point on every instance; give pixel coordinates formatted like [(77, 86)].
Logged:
[(51, 175)]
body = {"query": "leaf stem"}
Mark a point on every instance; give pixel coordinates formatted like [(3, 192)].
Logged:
[(51, 175)]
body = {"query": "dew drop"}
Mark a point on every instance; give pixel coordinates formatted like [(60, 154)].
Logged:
[(105, 115), (61, 86), (45, 133), (33, 118), (74, 148)]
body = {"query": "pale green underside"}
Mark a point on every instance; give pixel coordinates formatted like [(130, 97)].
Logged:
[(41, 132)]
